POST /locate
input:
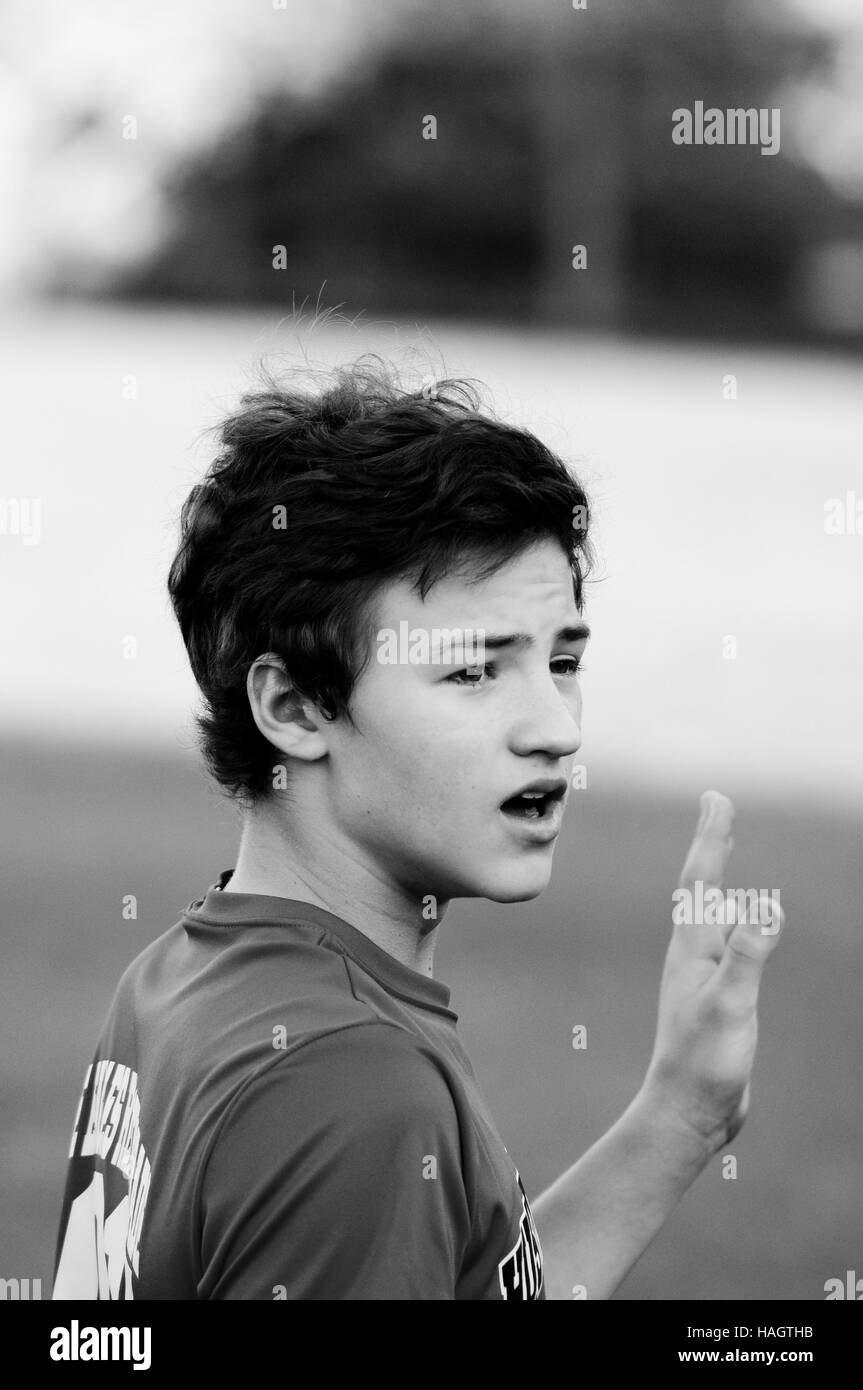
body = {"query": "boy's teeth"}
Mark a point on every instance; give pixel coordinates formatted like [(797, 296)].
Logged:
[(528, 805)]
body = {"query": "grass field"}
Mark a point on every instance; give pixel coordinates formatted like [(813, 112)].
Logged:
[(82, 828)]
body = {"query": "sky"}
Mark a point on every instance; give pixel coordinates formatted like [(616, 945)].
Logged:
[(73, 186)]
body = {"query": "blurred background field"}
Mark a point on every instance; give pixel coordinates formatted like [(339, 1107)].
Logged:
[(88, 828), (182, 179)]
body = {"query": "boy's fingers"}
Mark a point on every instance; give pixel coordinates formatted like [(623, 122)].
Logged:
[(749, 944), (705, 863), (709, 851), (706, 921)]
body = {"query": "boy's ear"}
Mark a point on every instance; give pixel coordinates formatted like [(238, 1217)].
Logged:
[(289, 722)]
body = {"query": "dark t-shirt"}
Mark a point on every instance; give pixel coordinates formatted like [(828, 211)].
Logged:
[(278, 1108)]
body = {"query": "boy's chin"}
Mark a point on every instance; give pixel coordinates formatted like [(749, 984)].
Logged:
[(516, 888), (516, 895), (498, 883)]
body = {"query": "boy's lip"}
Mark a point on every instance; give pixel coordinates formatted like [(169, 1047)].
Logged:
[(541, 829), (554, 787), (538, 829)]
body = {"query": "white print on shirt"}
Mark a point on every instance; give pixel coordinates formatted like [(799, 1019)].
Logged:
[(520, 1272), (100, 1251)]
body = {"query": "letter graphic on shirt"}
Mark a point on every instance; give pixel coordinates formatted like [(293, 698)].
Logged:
[(520, 1271), (93, 1263), (100, 1247)]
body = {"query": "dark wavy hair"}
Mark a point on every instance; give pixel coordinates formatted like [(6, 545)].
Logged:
[(317, 499)]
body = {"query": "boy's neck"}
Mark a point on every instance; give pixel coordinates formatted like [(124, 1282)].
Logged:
[(270, 865)]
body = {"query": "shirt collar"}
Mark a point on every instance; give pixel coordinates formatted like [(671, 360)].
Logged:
[(219, 908)]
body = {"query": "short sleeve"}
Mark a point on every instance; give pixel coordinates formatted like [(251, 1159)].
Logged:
[(337, 1174)]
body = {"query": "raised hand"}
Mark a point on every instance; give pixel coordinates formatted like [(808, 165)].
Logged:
[(707, 1026)]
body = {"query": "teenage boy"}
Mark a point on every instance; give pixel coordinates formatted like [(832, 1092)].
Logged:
[(279, 1105)]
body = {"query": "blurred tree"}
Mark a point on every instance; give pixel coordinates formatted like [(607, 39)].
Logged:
[(545, 136), (362, 201), (701, 237)]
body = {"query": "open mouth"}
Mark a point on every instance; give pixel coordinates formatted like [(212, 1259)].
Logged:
[(532, 805)]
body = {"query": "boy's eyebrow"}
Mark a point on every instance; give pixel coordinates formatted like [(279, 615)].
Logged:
[(495, 641)]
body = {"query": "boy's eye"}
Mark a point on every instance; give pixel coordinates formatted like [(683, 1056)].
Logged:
[(568, 666), (472, 676), (572, 666)]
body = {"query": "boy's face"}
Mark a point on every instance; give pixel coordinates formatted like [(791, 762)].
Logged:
[(416, 787)]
